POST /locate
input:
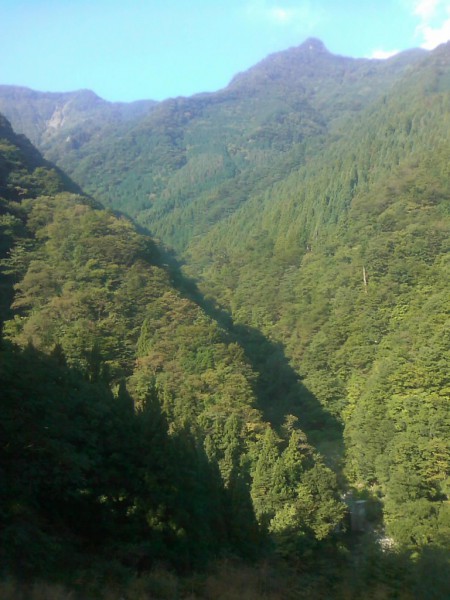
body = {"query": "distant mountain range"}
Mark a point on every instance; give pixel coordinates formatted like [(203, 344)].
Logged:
[(164, 162)]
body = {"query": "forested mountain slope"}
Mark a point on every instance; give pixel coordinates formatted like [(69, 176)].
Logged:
[(126, 405), (324, 225), (191, 162), (346, 262), (23, 173)]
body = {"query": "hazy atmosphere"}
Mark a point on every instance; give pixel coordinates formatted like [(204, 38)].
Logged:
[(158, 49)]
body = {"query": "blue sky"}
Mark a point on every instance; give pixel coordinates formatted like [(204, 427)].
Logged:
[(134, 49)]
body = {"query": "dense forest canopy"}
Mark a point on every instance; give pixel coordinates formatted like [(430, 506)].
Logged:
[(274, 358)]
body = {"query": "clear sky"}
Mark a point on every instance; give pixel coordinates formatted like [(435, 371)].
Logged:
[(134, 49)]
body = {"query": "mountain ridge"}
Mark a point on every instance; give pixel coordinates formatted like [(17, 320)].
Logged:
[(189, 154), (40, 115), (312, 47)]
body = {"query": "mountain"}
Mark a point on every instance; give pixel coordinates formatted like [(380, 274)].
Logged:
[(190, 162), (345, 263), (66, 120), (136, 406), (305, 358)]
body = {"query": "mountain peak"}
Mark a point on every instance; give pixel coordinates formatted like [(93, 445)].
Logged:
[(313, 45)]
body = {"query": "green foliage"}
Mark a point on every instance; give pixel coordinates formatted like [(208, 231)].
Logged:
[(345, 263), (90, 477), (138, 418), (311, 201)]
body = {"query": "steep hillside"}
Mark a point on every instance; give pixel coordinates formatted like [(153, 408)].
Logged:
[(23, 174), (134, 427), (69, 118), (346, 263), (23, 170)]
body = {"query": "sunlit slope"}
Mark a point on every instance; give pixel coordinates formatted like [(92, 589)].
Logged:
[(346, 263)]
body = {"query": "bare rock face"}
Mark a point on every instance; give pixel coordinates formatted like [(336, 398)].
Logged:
[(57, 119), (44, 116)]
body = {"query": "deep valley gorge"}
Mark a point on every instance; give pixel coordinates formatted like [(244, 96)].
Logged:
[(225, 336)]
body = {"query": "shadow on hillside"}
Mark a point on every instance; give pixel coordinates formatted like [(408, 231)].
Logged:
[(279, 389), (81, 454), (6, 283)]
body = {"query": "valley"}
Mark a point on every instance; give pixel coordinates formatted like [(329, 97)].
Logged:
[(223, 316)]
